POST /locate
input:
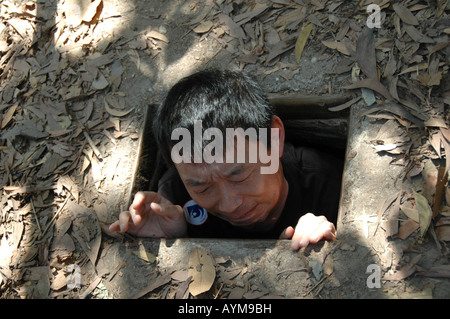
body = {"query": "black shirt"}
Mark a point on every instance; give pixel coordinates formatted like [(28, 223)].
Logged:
[(314, 180)]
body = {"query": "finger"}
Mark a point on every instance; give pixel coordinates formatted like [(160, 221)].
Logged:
[(124, 219), (303, 230), (115, 226), (324, 231), (166, 210), (141, 204), (146, 198), (287, 233)]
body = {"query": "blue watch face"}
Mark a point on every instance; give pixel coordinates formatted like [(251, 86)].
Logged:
[(195, 214)]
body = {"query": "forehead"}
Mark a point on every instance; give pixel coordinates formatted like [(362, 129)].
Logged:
[(205, 172)]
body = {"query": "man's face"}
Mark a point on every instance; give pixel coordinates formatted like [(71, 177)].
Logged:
[(238, 192)]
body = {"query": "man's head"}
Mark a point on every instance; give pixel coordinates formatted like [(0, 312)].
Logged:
[(219, 99), (224, 100)]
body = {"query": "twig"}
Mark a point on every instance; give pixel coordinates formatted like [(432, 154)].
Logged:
[(35, 216), (316, 285), (92, 144), (56, 215)]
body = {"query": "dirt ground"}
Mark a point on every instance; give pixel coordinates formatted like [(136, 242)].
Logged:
[(76, 78)]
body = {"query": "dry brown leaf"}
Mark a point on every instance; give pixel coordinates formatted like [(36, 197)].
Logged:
[(247, 16), (444, 132), (143, 254), (405, 271), (404, 14), (435, 122), (340, 46), (345, 105), (179, 275), (430, 79), (77, 11), (365, 53), (203, 27), (372, 84), (301, 41), (182, 290), (99, 82), (425, 212), (115, 112), (412, 213), (86, 230), (155, 284), (416, 35), (157, 35), (289, 17), (232, 27), (8, 116), (442, 271), (202, 270), (407, 228), (439, 191)]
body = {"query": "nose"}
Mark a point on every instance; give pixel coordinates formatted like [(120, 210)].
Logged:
[(229, 200)]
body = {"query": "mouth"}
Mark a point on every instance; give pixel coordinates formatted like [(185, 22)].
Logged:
[(245, 217)]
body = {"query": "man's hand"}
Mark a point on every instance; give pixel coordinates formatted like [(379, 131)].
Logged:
[(152, 215), (310, 229)]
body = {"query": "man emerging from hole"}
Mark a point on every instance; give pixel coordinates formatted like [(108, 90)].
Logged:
[(298, 200)]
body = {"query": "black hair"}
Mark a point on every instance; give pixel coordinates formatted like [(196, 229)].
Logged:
[(219, 98)]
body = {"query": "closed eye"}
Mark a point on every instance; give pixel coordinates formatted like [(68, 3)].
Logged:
[(204, 191), (242, 180)]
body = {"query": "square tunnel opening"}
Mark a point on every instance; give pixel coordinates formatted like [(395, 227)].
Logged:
[(307, 120)]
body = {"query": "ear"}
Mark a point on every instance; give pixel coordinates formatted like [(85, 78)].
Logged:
[(277, 123)]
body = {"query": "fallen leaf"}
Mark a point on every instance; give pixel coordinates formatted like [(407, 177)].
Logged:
[(429, 176), (439, 191), (145, 255), (412, 213), (158, 36), (77, 11), (372, 84), (247, 16), (182, 290), (365, 53), (435, 122), (237, 293), (115, 112), (233, 28), (86, 230), (407, 228), (203, 27), (301, 41), (416, 35), (8, 116), (100, 82), (442, 271), (430, 79), (179, 275), (404, 14), (445, 142), (405, 271), (155, 284), (202, 270), (345, 105), (341, 46), (425, 212)]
